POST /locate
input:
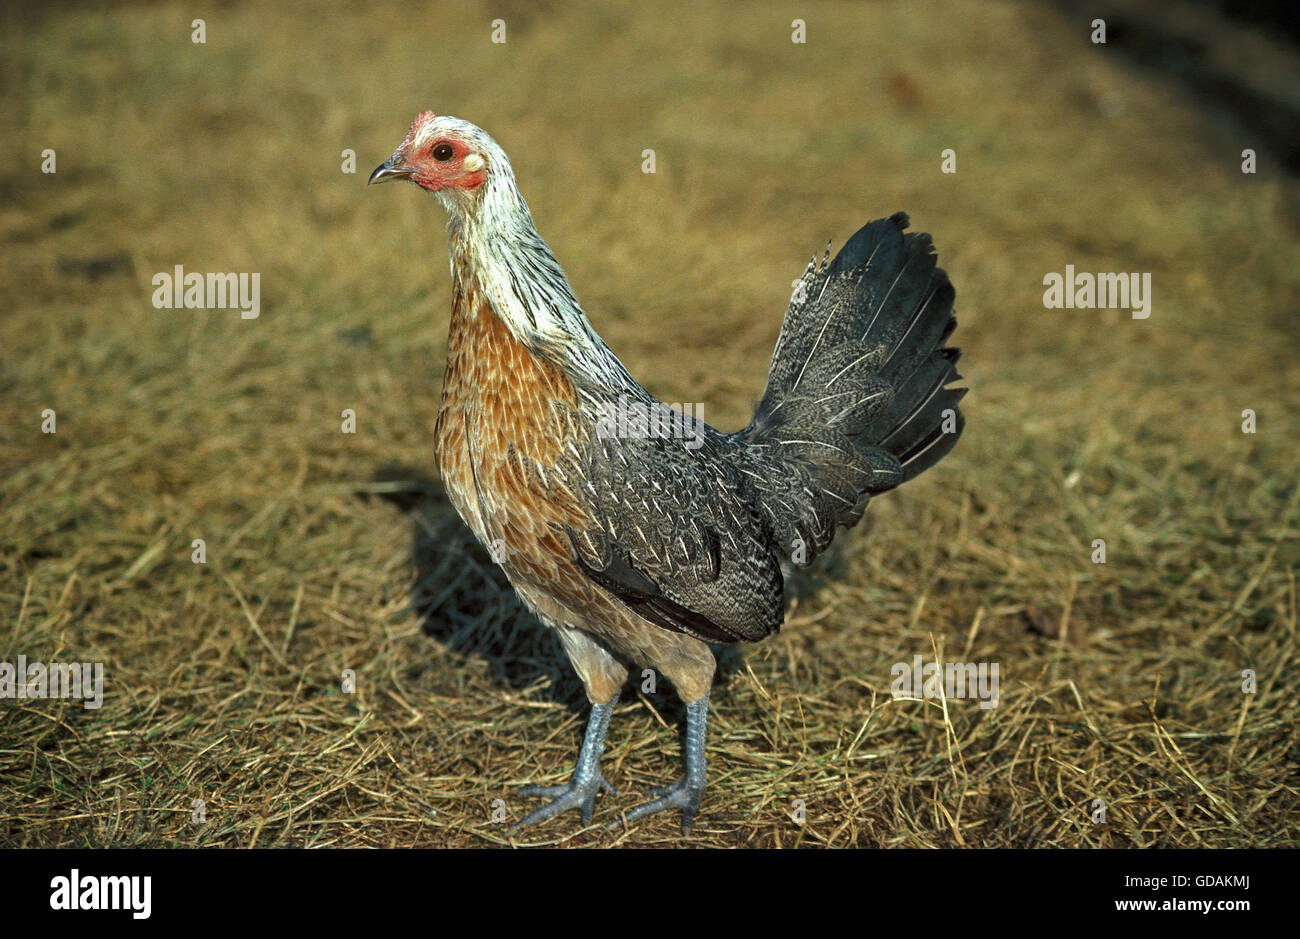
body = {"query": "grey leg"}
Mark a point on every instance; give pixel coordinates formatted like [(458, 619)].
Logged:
[(685, 793), (580, 791)]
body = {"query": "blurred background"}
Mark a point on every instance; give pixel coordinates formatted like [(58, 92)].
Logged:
[(249, 152)]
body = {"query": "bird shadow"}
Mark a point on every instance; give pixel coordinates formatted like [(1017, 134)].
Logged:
[(463, 600)]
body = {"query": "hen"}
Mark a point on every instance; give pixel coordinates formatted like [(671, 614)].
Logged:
[(644, 540)]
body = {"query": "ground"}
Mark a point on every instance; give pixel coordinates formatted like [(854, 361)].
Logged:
[(1121, 682)]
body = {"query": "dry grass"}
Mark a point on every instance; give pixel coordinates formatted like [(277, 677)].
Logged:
[(1120, 681)]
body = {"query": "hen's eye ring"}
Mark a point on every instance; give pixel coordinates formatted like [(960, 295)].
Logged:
[(443, 152)]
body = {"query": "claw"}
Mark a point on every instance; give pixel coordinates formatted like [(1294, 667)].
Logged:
[(575, 794), (683, 794)]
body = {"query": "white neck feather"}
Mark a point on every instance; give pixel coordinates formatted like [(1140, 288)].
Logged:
[(492, 239)]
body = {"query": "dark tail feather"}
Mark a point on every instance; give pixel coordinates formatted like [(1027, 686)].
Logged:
[(923, 420), (857, 394)]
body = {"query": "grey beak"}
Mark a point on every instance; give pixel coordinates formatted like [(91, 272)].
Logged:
[(389, 169)]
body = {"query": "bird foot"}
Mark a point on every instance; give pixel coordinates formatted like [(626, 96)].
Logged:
[(683, 794), (577, 793)]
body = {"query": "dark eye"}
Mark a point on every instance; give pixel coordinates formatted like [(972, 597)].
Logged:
[(443, 152)]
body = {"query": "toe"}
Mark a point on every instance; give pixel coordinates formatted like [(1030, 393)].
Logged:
[(577, 794), (550, 810), (677, 796)]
